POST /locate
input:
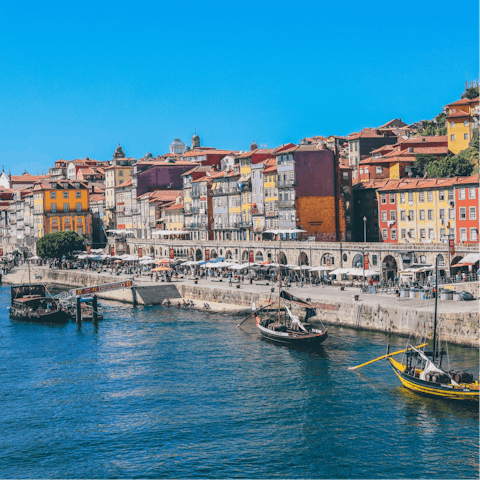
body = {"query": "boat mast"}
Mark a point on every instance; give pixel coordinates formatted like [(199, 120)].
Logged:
[(279, 273), (435, 314)]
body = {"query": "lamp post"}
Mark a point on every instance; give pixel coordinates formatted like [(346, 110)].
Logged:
[(365, 229), (363, 263)]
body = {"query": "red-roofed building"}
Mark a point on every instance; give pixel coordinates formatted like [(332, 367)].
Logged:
[(462, 123)]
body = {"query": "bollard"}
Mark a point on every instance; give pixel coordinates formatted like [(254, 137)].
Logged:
[(79, 311), (95, 309)]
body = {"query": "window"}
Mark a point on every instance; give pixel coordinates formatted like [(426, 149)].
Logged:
[(430, 196), (78, 194), (441, 214), (451, 214), (345, 175), (403, 233), (411, 215), (54, 207), (53, 194), (411, 233), (422, 233), (394, 234), (463, 234), (441, 194), (80, 231), (366, 170), (421, 215), (385, 234), (361, 171), (450, 195), (392, 215), (473, 235), (356, 146), (403, 216), (421, 196), (392, 198), (472, 194), (384, 198), (473, 213), (120, 173), (452, 138), (465, 123), (384, 216), (65, 194), (410, 198), (461, 193), (452, 124), (465, 136), (442, 233), (66, 207), (463, 213), (378, 169), (402, 198), (429, 214), (408, 168), (431, 234), (79, 207)]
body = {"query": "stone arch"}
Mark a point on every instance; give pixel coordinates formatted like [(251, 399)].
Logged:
[(259, 256), (357, 261), (213, 255), (441, 260), (454, 261), (389, 268), (228, 255), (282, 258), (245, 256), (198, 255), (303, 258), (152, 251)]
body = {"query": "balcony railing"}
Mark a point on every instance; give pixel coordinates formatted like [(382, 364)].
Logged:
[(286, 203), (286, 183), (245, 224), (196, 226), (272, 214), (226, 191)]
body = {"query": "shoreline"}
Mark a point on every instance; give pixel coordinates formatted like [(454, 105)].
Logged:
[(458, 321)]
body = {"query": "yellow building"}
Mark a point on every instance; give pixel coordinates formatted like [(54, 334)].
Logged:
[(114, 176), (462, 120), (271, 196), (173, 215), (61, 205), (425, 210)]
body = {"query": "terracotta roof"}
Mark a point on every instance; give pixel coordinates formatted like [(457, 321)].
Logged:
[(198, 168), (387, 125), (463, 101), (27, 178), (458, 114), (428, 139), (47, 184), (175, 206), (124, 184), (417, 183), (96, 197), (258, 151), (369, 133)]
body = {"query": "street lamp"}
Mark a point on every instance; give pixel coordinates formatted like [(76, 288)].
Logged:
[(365, 229)]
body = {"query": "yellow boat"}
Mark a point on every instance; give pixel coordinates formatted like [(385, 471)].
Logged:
[(422, 371), (432, 380)]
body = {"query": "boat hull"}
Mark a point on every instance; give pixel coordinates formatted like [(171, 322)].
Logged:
[(432, 389), (299, 339), (47, 318)]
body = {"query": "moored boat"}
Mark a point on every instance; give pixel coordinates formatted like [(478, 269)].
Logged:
[(31, 304)]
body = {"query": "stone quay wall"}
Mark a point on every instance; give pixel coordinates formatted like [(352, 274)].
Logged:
[(459, 328)]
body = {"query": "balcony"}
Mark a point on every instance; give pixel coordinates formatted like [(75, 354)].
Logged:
[(257, 210), (286, 183), (196, 226), (226, 191), (244, 224), (286, 203), (272, 214), (195, 194)]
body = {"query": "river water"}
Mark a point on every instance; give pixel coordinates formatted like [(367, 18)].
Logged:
[(155, 392)]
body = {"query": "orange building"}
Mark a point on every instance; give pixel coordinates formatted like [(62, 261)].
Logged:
[(61, 205)]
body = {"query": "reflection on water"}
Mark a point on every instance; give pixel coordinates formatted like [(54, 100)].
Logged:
[(154, 392)]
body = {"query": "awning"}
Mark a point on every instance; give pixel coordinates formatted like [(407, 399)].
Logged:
[(467, 260)]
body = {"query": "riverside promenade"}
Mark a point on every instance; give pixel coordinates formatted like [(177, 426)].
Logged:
[(458, 321)]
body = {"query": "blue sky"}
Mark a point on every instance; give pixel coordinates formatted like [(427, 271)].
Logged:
[(76, 77)]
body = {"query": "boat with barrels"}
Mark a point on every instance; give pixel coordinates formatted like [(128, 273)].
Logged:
[(421, 371), (30, 303), (280, 325)]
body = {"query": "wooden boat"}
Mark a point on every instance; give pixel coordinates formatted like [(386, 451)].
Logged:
[(280, 325), (422, 372), (29, 303)]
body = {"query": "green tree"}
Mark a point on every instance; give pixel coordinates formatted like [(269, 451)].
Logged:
[(60, 244), (419, 167), (471, 92), (451, 166)]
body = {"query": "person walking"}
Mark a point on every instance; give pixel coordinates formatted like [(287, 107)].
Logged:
[(230, 280)]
